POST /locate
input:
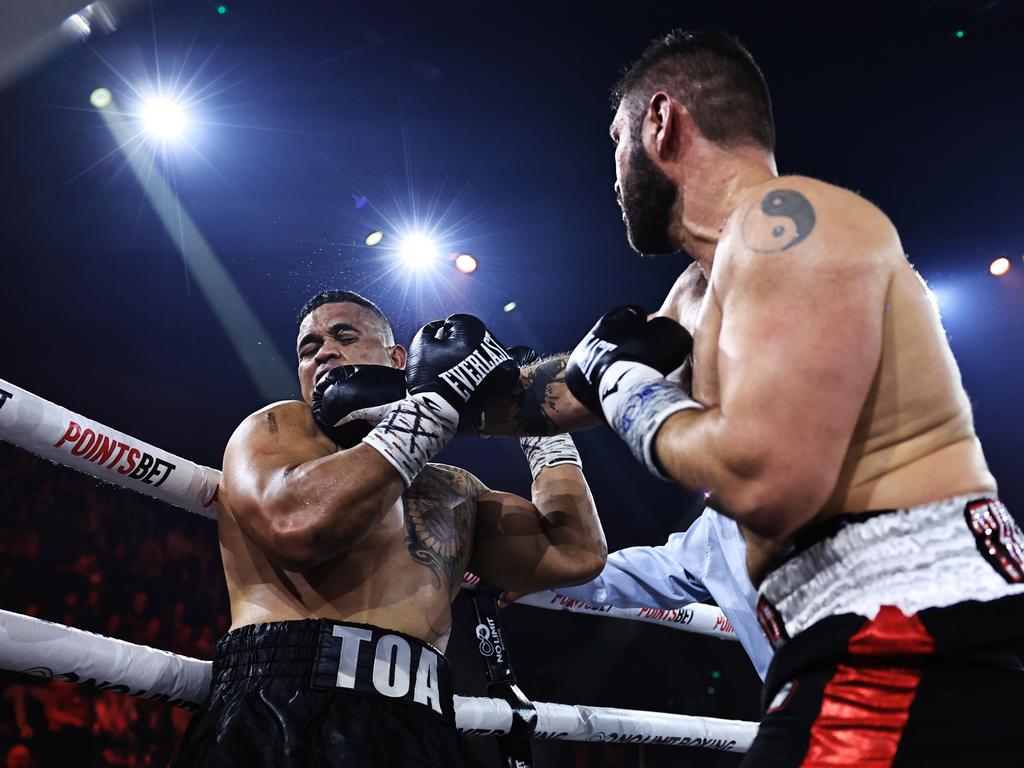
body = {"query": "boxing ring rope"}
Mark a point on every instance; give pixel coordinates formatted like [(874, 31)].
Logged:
[(45, 649), (698, 618), (41, 648)]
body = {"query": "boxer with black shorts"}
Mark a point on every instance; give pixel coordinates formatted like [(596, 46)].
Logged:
[(343, 547), (825, 414)]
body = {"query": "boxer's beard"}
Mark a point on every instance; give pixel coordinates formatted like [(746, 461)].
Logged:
[(648, 197)]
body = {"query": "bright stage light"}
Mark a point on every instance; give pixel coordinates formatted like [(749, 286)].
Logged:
[(1000, 266), (77, 26), (417, 250), (163, 118), (374, 238), (100, 98), (465, 263)]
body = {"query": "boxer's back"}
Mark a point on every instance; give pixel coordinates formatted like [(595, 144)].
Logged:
[(401, 576), (914, 440)]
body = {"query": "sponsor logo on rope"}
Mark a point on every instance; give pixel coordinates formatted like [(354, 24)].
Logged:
[(491, 644), (93, 446), (722, 624), (93, 683), (5, 396), (675, 741), (572, 604), (464, 377), (670, 616)]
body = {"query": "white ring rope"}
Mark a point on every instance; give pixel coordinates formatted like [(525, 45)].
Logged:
[(46, 649), (695, 617), (64, 437)]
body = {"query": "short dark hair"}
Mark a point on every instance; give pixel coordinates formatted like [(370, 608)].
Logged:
[(335, 296), (714, 77)]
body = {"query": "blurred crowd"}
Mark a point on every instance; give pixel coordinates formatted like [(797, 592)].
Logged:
[(111, 562)]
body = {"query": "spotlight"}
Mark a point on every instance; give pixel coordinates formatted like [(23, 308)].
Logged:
[(76, 26), (417, 250), (374, 238), (163, 118), (465, 263), (100, 98), (509, 307), (1000, 266)]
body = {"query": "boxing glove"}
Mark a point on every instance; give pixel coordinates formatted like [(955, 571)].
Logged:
[(350, 400), (618, 372), (459, 360), (624, 334)]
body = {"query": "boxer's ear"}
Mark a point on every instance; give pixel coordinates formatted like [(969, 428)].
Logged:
[(398, 356), (665, 123)]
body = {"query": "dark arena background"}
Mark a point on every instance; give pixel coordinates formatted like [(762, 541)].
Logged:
[(180, 176)]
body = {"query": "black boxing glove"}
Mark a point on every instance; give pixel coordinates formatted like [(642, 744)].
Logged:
[(618, 372), (459, 360), (453, 366), (350, 400)]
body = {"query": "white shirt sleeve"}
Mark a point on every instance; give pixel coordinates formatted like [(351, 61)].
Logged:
[(666, 576)]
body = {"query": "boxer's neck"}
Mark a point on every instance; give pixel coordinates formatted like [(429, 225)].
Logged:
[(711, 185)]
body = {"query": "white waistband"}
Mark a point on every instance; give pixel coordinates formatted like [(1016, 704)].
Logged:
[(922, 557)]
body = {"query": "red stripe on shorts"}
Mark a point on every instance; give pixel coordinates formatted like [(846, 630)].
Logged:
[(864, 708)]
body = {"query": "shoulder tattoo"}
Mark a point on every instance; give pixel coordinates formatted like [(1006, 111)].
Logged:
[(783, 219), (439, 511)]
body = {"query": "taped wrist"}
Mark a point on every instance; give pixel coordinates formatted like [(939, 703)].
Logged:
[(549, 452), (636, 399), (413, 431)]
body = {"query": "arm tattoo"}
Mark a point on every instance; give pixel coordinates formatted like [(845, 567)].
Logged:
[(439, 512), (543, 386), (784, 219)]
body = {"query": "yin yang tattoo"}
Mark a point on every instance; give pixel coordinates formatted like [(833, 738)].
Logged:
[(784, 219)]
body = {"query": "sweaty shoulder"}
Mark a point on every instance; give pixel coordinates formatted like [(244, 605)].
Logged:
[(286, 427), (277, 421), (793, 218)]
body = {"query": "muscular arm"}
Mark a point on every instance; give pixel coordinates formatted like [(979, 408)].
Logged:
[(299, 498), (542, 404), (802, 297), (555, 540)]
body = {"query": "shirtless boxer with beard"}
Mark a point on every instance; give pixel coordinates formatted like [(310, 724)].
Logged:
[(825, 414)]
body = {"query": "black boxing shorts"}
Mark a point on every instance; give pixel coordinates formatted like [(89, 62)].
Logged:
[(896, 635), (319, 692)]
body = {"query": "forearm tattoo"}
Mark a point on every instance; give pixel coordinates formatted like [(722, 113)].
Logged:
[(783, 219), (439, 513), (532, 408)]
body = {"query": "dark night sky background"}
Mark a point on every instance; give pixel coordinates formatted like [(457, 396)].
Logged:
[(496, 117)]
